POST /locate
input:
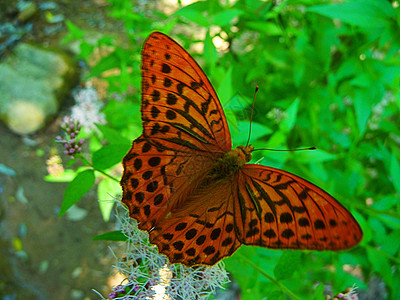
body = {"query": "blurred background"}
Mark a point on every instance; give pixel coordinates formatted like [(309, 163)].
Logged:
[(328, 73)]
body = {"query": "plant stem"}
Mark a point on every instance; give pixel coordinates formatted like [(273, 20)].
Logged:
[(96, 169)]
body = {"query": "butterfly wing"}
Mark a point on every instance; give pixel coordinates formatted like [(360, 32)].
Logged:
[(184, 132), (202, 230), (180, 109), (156, 180), (277, 209)]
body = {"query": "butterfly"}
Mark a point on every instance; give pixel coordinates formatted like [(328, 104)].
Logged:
[(198, 198)]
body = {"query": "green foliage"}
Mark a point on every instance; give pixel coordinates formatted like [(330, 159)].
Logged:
[(106, 191), (116, 236), (287, 264), (329, 77), (78, 187)]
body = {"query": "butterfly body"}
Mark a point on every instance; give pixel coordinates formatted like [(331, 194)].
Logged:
[(198, 198), (229, 165)]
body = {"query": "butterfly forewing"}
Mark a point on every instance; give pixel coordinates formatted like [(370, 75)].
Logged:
[(156, 180), (180, 109)]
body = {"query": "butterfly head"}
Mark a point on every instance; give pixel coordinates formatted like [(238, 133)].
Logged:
[(243, 153)]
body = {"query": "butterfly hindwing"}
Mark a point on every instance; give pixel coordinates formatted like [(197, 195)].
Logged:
[(200, 231), (281, 210)]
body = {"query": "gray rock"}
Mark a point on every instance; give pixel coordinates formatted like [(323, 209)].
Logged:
[(26, 10), (34, 82)]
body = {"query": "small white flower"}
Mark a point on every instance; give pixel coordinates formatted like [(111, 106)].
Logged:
[(277, 115), (244, 43), (87, 109)]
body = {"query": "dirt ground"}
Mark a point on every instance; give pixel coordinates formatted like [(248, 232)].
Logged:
[(61, 261), (43, 256)]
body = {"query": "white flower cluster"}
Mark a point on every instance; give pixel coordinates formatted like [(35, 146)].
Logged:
[(150, 275), (277, 115), (244, 42), (86, 111)]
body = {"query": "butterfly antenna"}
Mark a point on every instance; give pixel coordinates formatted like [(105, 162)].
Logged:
[(298, 149), (251, 116)]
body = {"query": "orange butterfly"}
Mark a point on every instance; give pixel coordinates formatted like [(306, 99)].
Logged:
[(195, 195)]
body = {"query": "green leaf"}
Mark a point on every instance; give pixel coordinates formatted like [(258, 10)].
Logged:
[(109, 155), (123, 114), (257, 131), (348, 258), (107, 189), (391, 221), (276, 295), (279, 138), (314, 156), (340, 138), (287, 264), (395, 173), (240, 105), (391, 243), (210, 53), (108, 62), (75, 33), (287, 124), (380, 264), (67, 176), (319, 292), (106, 41), (225, 17), (361, 80), (386, 202), (363, 110), (365, 13), (377, 227), (113, 136), (318, 171), (195, 12), (115, 236), (389, 74), (268, 28), (75, 190), (348, 68), (253, 282), (225, 87), (299, 69)]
